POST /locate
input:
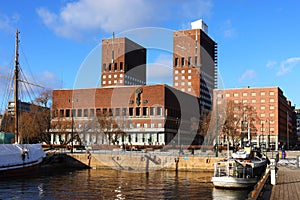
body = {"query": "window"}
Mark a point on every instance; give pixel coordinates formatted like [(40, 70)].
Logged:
[(235, 94), (117, 111), (262, 115), (85, 112), (131, 112), (189, 71), (262, 93), (121, 66), (137, 111), (196, 61), (272, 107), (109, 67), (152, 111), (98, 110), (79, 113), (253, 100), (245, 101), (262, 101), (145, 125), (159, 111), (152, 125), (189, 83), (109, 76), (124, 111), (272, 100), (262, 107), (104, 111), (182, 71), (244, 94), (182, 77), (159, 125), (176, 77), (189, 61), (176, 71), (189, 89), (138, 125), (104, 67), (145, 111), (111, 112), (116, 66), (176, 62), (92, 112), (73, 112), (189, 77), (253, 94), (182, 61), (61, 113), (176, 84), (272, 93), (227, 95)]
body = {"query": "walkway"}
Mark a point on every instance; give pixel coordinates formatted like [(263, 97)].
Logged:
[(287, 184)]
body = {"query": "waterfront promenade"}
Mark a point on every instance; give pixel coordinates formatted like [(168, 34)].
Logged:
[(287, 184)]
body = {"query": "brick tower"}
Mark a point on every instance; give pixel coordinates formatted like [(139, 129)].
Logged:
[(123, 62), (195, 63)]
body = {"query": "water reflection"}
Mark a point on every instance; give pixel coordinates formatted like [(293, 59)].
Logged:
[(113, 184)]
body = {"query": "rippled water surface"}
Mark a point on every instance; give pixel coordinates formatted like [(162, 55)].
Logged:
[(113, 184)]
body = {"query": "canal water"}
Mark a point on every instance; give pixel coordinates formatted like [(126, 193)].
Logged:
[(114, 184)]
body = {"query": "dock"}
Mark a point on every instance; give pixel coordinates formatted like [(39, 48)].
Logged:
[(287, 184)]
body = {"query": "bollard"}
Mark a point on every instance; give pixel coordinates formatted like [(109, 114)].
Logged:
[(273, 171)]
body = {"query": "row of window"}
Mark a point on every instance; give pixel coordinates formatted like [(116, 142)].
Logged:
[(254, 101), (113, 126), (253, 94), (182, 62), (183, 71), (113, 66), (138, 111)]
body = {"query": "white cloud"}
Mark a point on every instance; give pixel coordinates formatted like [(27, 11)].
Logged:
[(270, 64), (8, 24), (161, 70), (248, 75), (77, 18), (228, 29), (287, 66)]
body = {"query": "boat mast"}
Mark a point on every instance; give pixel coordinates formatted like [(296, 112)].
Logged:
[(16, 83)]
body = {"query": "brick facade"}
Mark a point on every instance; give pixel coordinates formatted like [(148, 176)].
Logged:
[(273, 113)]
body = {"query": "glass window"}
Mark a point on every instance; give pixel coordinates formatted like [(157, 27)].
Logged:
[(79, 113), (176, 62), (61, 113), (152, 111), (131, 112), (85, 112), (196, 60), (145, 111), (137, 111), (189, 61), (159, 111), (117, 111), (121, 66), (67, 112), (92, 112), (182, 61)]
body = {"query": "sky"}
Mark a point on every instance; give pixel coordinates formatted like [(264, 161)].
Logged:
[(60, 41)]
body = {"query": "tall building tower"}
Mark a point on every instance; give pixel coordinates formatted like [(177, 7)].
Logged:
[(195, 63), (123, 62)]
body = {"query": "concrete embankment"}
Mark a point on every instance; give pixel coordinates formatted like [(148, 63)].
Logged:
[(145, 161)]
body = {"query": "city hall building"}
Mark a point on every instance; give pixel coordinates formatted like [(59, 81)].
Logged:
[(124, 110)]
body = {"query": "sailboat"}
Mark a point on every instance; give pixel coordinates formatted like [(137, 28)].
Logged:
[(18, 158)]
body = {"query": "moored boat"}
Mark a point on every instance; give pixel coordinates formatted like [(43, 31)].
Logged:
[(18, 158), (242, 171)]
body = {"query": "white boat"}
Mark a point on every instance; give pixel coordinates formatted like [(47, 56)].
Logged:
[(19, 158), (239, 172)]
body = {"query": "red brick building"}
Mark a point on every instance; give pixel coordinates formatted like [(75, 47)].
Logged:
[(145, 114), (154, 114), (271, 124)]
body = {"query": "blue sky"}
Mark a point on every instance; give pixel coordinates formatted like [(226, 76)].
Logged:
[(258, 41)]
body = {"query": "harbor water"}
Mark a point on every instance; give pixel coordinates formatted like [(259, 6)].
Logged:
[(114, 184)]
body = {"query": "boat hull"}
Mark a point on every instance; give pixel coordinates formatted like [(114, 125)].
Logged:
[(232, 182), (18, 159)]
